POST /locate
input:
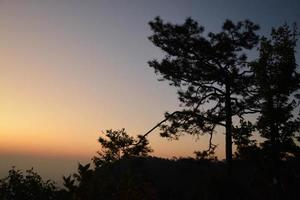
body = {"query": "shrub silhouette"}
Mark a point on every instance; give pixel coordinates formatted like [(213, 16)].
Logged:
[(28, 186)]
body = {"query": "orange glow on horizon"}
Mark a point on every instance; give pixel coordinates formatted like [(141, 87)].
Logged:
[(63, 81)]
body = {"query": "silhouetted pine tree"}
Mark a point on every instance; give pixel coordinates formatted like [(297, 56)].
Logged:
[(210, 72), (277, 82)]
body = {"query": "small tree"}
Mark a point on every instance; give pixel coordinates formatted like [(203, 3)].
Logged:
[(277, 82), (210, 72), (115, 145), (119, 144)]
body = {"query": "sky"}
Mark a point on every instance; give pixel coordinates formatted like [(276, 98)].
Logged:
[(70, 69)]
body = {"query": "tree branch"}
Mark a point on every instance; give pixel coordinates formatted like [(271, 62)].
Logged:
[(157, 125), (168, 117)]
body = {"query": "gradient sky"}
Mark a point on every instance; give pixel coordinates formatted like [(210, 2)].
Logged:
[(71, 68)]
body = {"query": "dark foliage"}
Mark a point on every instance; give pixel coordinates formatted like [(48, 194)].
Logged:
[(118, 144), (246, 148), (277, 83), (102, 183), (187, 178), (28, 186), (150, 178), (211, 73)]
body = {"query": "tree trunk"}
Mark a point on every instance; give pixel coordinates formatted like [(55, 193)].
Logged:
[(274, 134), (228, 136)]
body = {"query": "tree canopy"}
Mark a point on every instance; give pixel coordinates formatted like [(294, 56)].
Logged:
[(211, 73), (278, 82)]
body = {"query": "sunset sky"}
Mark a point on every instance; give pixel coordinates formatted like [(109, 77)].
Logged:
[(72, 68)]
